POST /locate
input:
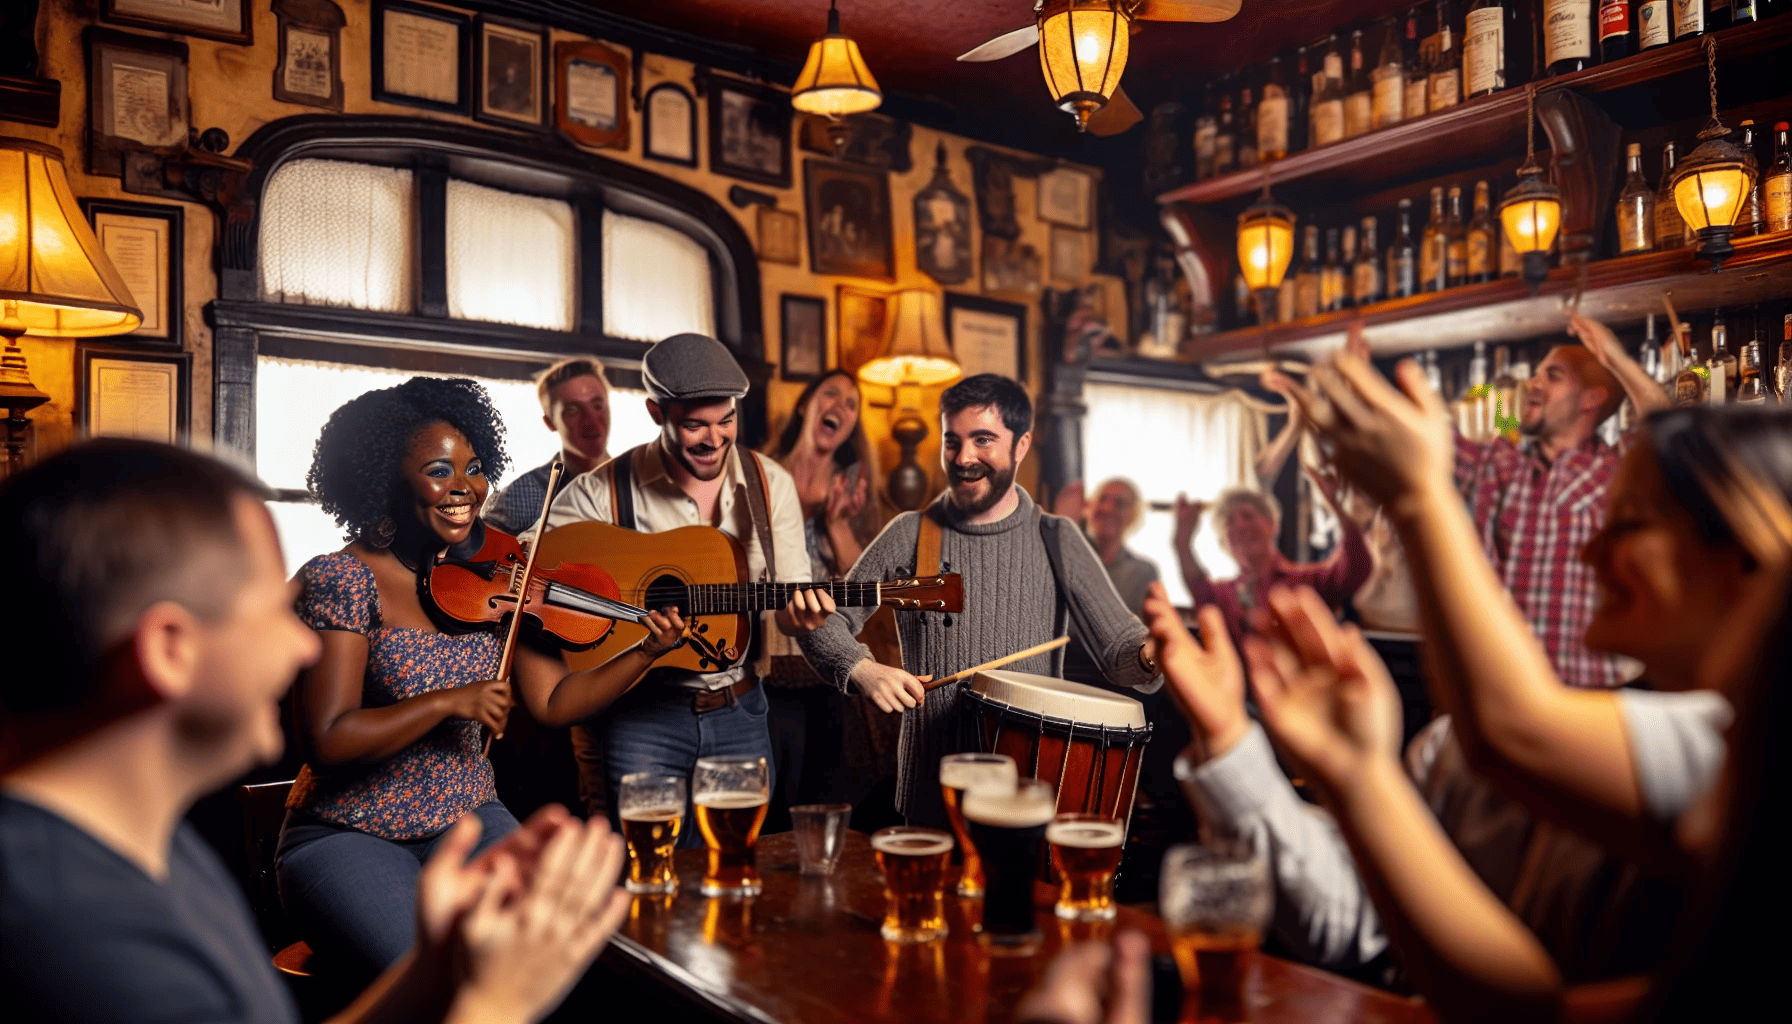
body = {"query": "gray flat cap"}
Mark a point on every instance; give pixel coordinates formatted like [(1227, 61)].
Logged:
[(686, 367)]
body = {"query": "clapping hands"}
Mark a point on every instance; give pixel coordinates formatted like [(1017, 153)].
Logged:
[(1204, 675)]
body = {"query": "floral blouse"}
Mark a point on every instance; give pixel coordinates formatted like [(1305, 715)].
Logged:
[(429, 785)]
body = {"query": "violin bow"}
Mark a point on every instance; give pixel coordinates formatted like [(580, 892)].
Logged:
[(520, 587)]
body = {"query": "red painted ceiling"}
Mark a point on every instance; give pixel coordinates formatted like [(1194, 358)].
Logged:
[(910, 47)]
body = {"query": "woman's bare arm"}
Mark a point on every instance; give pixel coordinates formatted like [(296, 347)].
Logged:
[(557, 697), (342, 730)]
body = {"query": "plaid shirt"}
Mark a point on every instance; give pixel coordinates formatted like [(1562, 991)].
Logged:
[(1535, 518), (517, 507)]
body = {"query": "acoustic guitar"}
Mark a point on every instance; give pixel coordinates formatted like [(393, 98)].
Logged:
[(703, 573)]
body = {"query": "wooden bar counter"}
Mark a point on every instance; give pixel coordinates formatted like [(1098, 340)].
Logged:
[(807, 950)]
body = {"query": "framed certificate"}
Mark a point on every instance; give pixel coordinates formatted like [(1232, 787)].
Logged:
[(227, 20), (143, 240), (988, 336), (137, 97), (136, 394), (1067, 197), (421, 56), (669, 130), (591, 101)]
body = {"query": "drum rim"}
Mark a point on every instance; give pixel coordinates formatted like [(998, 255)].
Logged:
[(1068, 725)]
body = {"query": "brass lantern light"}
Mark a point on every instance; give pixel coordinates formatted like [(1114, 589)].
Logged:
[(1265, 247), (1083, 45), (1714, 179), (1531, 211), (835, 82)]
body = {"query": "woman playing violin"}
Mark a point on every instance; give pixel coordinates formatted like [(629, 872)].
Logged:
[(393, 714)]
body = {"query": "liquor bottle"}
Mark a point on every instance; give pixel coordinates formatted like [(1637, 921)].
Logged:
[(1753, 388), (1502, 390), (1403, 256), (1285, 295), (1614, 31), (1692, 384), (1225, 141), (1328, 97), (1299, 92), (1691, 18), (1670, 228), (1347, 267), (1446, 70), (1417, 74), (1568, 34), (1751, 219), (1472, 418), (1636, 207), (1272, 115), (1776, 192), (1388, 99), (1207, 129), (1331, 276), (1359, 104), (1484, 47), (1370, 283), (1245, 115), (1654, 23), (1510, 264), (1483, 232), (1650, 358), (1722, 364), (1434, 377), (1745, 11), (1434, 250), (1782, 370), (1308, 284), (1456, 252)]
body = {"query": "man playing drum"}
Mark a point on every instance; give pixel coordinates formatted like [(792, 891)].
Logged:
[(1027, 575)]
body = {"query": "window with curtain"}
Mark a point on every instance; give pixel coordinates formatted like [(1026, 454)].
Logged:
[(1169, 442), (511, 258), (656, 281), (335, 233), (294, 398)]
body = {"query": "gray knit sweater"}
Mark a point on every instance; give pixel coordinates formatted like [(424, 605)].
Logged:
[(1011, 602)]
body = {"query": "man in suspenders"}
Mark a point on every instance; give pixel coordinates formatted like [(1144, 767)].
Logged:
[(693, 475), (1027, 577)]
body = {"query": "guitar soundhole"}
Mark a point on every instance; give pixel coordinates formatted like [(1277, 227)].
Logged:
[(664, 592)]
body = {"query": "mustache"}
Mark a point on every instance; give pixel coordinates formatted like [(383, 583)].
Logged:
[(704, 449), (968, 474)]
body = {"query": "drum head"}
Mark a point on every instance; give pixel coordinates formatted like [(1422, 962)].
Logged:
[(1058, 698)]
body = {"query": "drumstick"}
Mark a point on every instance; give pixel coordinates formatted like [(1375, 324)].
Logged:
[(1007, 659)]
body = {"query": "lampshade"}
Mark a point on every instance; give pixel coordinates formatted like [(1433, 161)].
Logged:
[(1265, 243), (1709, 189), (1083, 45), (835, 81), (1531, 215), (55, 281), (915, 348)]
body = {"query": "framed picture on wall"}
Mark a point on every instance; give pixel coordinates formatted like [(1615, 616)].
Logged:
[(137, 97), (863, 322), (422, 56), (1067, 197), (135, 394), (1071, 254), (669, 125), (988, 336), (804, 329), (143, 240), (848, 209), (310, 67), (591, 94), (749, 131), (513, 73), (780, 236), (227, 20)]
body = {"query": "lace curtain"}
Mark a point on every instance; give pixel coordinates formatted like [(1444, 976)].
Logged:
[(338, 234), (511, 257), (656, 281), (1168, 442)]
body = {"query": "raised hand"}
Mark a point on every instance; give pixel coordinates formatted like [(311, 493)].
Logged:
[(847, 497), (1598, 339), (1188, 518), (1206, 680), (807, 611), (1389, 443), (891, 689)]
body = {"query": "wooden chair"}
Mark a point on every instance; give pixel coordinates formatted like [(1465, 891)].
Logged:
[(264, 809)]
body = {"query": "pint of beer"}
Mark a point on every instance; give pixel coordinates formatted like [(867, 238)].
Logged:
[(1216, 902), (958, 773), (731, 796), (1007, 825), (913, 861), (1085, 854), (652, 809)]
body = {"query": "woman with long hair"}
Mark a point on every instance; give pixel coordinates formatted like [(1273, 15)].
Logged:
[(823, 445)]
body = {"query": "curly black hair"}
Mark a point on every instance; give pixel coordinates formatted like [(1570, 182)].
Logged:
[(354, 466)]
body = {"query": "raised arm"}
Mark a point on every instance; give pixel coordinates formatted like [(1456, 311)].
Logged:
[(1645, 395), (1194, 576), (1273, 455)]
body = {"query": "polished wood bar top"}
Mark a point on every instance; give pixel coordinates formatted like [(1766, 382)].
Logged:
[(808, 950)]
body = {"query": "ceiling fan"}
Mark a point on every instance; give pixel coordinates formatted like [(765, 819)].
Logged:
[(1086, 43)]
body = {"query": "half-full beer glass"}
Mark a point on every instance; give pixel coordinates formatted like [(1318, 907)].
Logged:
[(1085, 854), (913, 861), (731, 795), (652, 809), (1007, 825), (1215, 901), (958, 773)]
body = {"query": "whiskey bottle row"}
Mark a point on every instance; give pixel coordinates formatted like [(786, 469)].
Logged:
[(1721, 375), (1648, 219)]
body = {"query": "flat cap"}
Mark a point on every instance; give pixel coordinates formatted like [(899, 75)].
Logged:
[(686, 367)]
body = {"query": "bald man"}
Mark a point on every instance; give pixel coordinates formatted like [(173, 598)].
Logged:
[(1539, 500)]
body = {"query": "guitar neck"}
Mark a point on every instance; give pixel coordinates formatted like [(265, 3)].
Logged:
[(734, 598)]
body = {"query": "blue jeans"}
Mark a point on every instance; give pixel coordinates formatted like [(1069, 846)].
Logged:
[(352, 896), (653, 729)]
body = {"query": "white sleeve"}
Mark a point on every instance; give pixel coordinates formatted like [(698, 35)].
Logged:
[(585, 499), (1323, 912), (790, 547), (1677, 746)]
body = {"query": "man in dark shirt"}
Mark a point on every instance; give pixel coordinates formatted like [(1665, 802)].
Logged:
[(161, 635)]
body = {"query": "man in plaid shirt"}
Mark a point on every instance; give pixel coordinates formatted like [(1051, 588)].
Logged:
[(575, 403), (1539, 500)]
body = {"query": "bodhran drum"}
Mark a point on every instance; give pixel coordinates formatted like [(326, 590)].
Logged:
[(1087, 741)]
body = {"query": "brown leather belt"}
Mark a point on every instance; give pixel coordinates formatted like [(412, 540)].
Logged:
[(722, 696)]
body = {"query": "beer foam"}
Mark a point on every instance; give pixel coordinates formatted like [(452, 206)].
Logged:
[(1086, 835), (730, 801), (1008, 810), (912, 845), (668, 813), (971, 774)]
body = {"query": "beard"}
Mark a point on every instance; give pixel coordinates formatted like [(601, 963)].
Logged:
[(1000, 480)]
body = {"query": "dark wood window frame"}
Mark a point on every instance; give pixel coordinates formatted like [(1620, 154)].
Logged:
[(244, 326)]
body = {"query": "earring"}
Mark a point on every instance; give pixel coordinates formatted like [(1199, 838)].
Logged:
[(384, 532)]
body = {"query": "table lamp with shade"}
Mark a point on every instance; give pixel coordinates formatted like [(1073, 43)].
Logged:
[(55, 281), (916, 354)]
